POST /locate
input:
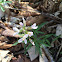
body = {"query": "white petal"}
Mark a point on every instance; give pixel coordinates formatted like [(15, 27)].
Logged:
[(32, 42), (24, 22), (24, 37), (35, 27), (15, 29), (30, 34), (25, 41), (21, 23), (20, 40)]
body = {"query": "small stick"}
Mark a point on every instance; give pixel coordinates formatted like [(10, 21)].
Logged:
[(59, 51)]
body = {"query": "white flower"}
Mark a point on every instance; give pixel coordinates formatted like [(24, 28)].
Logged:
[(23, 39), (32, 42), (24, 22), (15, 29), (20, 40), (21, 23), (34, 26), (30, 34), (25, 36)]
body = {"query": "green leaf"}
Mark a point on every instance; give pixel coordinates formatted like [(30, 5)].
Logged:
[(48, 42), (2, 8), (15, 43), (27, 48), (41, 41), (6, 2), (60, 52), (40, 26), (56, 38), (0, 0), (46, 36), (46, 45), (37, 48), (39, 32), (54, 35), (21, 35)]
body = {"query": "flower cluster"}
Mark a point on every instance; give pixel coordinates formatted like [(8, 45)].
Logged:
[(27, 33)]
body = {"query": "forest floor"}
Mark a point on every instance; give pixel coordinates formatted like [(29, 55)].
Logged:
[(43, 20)]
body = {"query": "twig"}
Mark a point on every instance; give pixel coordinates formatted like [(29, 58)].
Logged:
[(51, 16), (54, 26), (59, 51), (19, 52)]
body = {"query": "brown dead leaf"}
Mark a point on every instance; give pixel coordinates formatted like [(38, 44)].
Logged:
[(19, 59), (25, 9), (5, 46), (37, 20), (3, 38), (1, 30), (29, 11), (10, 33), (23, 58)]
